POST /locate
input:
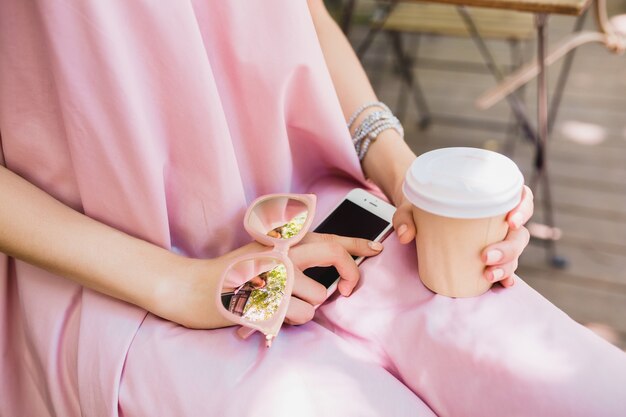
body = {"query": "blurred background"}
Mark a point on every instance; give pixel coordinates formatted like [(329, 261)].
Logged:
[(428, 44)]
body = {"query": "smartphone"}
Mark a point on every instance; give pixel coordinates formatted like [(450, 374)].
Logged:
[(359, 214)]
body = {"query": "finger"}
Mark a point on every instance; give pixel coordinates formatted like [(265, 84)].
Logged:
[(307, 289), (354, 245), (507, 250), (328, 254), (508, 281), (503, 273), (524, 210), (299, 312), (403, 223)]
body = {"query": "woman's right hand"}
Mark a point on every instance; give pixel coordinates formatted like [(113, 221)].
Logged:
[(319, 249), (171, 286), (189, 299)]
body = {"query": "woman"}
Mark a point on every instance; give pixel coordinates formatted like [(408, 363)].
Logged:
[(160, 123)]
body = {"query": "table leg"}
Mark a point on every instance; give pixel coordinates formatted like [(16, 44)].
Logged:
[(540, 175), (547, 233)]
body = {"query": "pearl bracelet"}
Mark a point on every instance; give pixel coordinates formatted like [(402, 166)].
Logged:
[(373, 135), (369, 122), (364, 107), (372, 126)]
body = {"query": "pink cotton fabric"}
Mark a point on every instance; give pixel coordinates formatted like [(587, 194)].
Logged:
[(164, 120)]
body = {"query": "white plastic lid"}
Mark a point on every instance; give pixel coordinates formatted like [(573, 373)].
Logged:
[(466, 183)]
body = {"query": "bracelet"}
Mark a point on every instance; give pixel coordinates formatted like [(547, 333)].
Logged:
[(370, 121), (372, 136), (373, 125), (364, 107)]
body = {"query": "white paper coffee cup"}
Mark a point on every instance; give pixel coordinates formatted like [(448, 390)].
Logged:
[(461, 197)]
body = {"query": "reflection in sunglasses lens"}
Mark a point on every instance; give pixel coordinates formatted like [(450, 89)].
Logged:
[(289, 229), (258, 298)]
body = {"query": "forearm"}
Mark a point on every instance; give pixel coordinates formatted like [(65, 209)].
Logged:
[(38, 229), (389, 156)]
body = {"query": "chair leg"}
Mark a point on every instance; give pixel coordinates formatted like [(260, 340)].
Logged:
[(518, 108), (400, 110), (411, 55), (381, 14), (409, 78), (346, 16)]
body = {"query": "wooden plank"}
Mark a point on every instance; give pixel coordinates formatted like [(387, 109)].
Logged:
[(607, 235), (585, 305), (588, 202), (613, 175), (588, 266), (568, 7), (579, 101), (445, 20), (597, 167)]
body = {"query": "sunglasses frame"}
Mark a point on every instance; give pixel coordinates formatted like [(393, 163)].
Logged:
[(279, 252)]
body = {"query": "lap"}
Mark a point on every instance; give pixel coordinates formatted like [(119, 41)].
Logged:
[(508, 352), (308, 370), (379, 352)]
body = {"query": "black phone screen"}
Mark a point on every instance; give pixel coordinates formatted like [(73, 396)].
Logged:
[(346, 220)]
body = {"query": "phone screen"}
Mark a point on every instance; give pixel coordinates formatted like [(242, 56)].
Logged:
[(346, 220)]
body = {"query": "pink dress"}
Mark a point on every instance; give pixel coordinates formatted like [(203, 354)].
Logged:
[(164, 120)]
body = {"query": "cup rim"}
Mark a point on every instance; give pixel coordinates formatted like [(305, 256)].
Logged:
[(488, 206)]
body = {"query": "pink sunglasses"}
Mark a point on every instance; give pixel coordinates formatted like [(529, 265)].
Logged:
[(256, 288)]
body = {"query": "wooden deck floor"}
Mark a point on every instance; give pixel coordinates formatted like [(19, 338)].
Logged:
[(587, 161)]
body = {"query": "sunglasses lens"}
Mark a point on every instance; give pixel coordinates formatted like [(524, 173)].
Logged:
[(254, 288), (279, 217)]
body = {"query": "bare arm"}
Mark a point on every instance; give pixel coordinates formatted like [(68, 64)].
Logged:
[(389, 156), (40, 230), (353, 89)]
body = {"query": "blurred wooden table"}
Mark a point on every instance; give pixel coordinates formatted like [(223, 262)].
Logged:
[(568, 7)]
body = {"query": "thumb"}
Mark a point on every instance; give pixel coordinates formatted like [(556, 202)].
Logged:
[(404, 224)]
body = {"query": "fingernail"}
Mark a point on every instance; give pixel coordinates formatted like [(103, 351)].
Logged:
[(402, 229), (377, 246), (517, 219), (497, 274), (493, 256)]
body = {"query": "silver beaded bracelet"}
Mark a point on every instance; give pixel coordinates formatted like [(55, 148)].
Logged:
[(367, 124), (364, 107), (372, 126)]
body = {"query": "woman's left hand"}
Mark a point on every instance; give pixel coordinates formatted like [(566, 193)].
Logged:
[(501, 258)]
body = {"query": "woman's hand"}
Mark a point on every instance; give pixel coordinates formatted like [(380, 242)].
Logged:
[(189, 298), (403, 217), (500, 258), (318, 249)]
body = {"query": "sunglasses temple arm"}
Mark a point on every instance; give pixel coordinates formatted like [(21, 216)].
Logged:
[(245, 332)]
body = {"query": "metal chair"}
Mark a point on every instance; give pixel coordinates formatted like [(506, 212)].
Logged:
[(611, 33), (396, 18)]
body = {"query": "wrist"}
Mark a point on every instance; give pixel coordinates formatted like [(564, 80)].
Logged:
[(186, 292), (386, 164), (170, 286), (186, 295)]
